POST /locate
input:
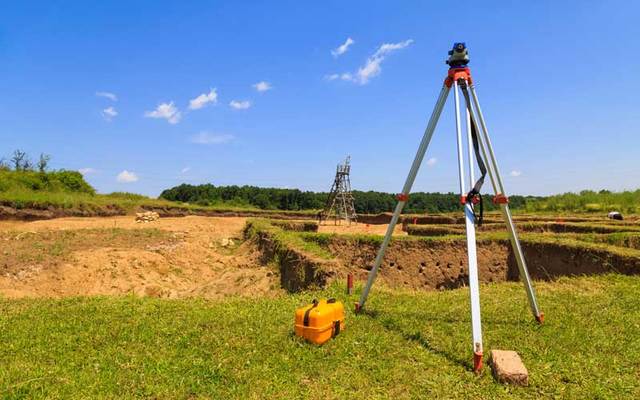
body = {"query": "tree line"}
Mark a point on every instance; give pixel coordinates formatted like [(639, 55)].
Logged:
[(369, 202)]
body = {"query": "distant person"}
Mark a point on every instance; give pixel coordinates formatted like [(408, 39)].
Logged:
[(615, 215)]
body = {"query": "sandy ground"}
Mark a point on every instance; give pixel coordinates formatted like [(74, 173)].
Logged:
[(359, 228), (193, 262)]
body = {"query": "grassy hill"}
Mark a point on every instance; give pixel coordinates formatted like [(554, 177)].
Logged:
[(409, 345), (60, 189), (67, 190)]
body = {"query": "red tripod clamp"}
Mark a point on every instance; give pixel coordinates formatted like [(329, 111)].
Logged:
[(455, 74), (500, 199), (475, 199), (402, 197)]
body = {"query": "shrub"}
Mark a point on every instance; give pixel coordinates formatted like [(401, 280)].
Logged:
[(58, 181), (72, 181)]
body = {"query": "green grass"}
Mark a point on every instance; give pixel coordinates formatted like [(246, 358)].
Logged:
[(23, 198), (69, 191), (125, 202), (409, 345), (588, 201), (284, 239), (621, 239), (297, 226)]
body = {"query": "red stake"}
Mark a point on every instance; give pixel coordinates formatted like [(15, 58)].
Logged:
[(349, 283)]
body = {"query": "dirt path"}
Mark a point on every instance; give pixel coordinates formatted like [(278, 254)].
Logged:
[(172, 257)]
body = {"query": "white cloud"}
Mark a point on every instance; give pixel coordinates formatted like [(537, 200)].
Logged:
[(387, 48), (185, 170), (262, 86), (166, 111), (240, 104), (205, 137), (87, 171), (127, 177), (343, 48), (203, 99), (515, 173), (432, 161), (345, 77), (107, 95), (372, 67), (109, 113)]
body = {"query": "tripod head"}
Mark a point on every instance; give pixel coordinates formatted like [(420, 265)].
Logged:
[(458, 56)]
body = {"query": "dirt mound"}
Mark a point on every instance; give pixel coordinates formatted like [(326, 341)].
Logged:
[(115, 256)]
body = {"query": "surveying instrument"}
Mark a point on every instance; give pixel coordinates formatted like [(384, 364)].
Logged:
[(479, 147)]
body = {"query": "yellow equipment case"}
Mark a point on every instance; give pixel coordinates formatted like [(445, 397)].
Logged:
[(320, 321)]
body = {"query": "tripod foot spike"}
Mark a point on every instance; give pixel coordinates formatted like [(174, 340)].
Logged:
[(358, 308), (540, 318), (477, 361)]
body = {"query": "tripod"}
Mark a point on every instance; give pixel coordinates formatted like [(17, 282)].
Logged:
[(459, 79)]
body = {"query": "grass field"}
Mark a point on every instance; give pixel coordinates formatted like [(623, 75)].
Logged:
[(588, 201), (409, 345)]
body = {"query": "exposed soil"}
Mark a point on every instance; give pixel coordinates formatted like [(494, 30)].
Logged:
[(418, 265), (172, 257), (443, 264), (31, 214), (358, 228), (426, 219), (535, 227), (299, 270), (47, 249), (182, 212), (208, 257)]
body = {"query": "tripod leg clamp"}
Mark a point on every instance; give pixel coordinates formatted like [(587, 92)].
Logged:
[(402, 197), (500, 199)]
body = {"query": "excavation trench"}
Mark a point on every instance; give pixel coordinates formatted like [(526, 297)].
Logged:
[(442, 264)]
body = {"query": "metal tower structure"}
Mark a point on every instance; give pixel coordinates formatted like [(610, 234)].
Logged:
[(340, 200)]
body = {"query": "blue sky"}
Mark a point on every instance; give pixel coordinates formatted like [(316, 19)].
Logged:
[(556, 81)]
